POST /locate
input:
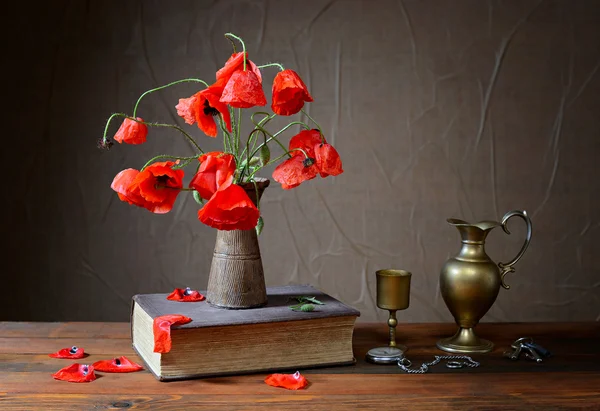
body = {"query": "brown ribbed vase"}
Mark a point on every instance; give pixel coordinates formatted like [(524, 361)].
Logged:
[(236, 279)]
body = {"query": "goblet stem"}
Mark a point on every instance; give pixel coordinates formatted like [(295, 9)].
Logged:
[(392, 322)]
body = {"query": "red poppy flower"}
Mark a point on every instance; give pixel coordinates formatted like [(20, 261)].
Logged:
[(131, 132), (121, 183), (185, 295), (202, 107), (291, 173), (294, 381), (76, 373), (162, 330), (216, 170), (244, 90), (155, 188), (329, 162), (121, 364), (322, 159), (69, 353), (236, 63), (230, 209), (289, 93)]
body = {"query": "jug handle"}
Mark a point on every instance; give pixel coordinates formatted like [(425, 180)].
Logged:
[(508, 267)]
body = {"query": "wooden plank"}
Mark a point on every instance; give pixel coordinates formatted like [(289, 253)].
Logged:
[(65, 330), (568, 384), (108, 346), (295, 401)]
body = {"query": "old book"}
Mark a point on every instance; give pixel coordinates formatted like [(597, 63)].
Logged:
[(220, 341)]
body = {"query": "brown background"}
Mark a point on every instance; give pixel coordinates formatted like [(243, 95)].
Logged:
[(440, 109)]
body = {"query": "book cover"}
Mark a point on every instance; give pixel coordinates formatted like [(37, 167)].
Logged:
[(275, 317)]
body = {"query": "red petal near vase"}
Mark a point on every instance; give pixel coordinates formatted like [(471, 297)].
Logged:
[(185, 295), (230, 209), (216, 172), (290, 381), (72, 353), (76, 373), (120, 364), (162, 330), (243, 90)]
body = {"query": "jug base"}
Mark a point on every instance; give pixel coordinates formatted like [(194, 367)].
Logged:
[(465, 341)]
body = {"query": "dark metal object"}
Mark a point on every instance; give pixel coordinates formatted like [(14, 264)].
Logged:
[(532, 351)]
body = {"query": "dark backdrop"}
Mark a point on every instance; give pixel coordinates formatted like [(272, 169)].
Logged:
[(440, 109)]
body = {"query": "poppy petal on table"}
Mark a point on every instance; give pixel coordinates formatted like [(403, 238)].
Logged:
[(120, 364), (185, 295), (157, 186), (236, 63), (329, 162), (76, 373), (161, 329), (131, 132), (230, 209), (243, 90), (294, 381), (216, 171), (289, 93), (71, 353), (294, 171)]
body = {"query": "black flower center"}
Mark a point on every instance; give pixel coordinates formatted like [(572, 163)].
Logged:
[(208, 110), (73, 350), (187, 291), (117, 361), (85, 370), (308, 161)]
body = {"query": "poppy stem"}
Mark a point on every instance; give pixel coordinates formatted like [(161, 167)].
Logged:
[(187, 80), (238, 132), (281, 68), (228, 35), (279, 132), (268, 164), (191, 140), (272, 137), (153, 159), (262, 122), (316, 124), (226, 135)]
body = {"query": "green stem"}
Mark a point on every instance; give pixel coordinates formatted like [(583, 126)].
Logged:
[(279, 132), (262, 122), (238, 132), (268, 164), (313, 120), (272, 137), (153, 159), (226, 135), (228, 35), (165, 86), (191, 140), (281, 68)]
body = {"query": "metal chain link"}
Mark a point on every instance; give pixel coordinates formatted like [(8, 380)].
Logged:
[(405, 364)]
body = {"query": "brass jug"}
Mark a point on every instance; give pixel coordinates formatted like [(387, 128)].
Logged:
[(470, 282)]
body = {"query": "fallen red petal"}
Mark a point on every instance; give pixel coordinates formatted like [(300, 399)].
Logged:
[(120, 364), (72, 353), (294, 381), (162, 330), (185, 295), (76, 373)]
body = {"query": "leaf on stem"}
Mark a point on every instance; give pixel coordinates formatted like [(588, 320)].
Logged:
[(259, 225), (264, 155), (197, 197)]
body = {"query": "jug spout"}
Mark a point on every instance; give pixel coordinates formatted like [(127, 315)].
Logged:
[(473, 233)]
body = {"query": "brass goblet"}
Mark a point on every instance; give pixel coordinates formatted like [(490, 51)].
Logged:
[(393, 294)]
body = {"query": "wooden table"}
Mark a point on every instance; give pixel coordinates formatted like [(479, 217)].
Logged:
[(568, 380)]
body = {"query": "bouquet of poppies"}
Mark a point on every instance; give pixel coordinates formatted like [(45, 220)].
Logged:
[(217, 185)]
